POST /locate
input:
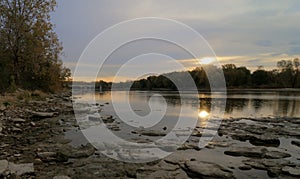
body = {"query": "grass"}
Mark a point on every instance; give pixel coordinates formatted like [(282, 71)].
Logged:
[(22, 95)]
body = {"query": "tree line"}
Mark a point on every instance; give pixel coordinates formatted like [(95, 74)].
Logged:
[(286, 75), (29, 48)]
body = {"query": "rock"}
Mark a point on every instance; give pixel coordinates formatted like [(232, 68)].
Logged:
[(2, 108), (294, 171), (201, 169), (258, 140), (276, 155), (61, 177), (18, 120), (94, 118), (189, 146), (3, 166), (41, 115), (151, 133), (15, 129), (296, 143), (273, 166), (108, 119), (265, 140), (245, 167), (80, 152), (20, 169), (32, 124), (47, 156), (254, 152)]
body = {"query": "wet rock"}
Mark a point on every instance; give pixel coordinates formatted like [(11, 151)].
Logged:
[(294, 171), (177, 174), (94, 118), (20, 169), (245, 167), (201, 169), (161, 170), (296, 143), (151, 133), (108, 119), (254, 152), (276, 155), (3, 166), (189, 146), (258, 140), (273, 166), (265, 140)]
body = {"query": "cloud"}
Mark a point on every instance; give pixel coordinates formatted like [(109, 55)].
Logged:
[(241, 32), (264, 43)]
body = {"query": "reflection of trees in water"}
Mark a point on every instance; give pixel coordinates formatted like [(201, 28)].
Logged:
[(288, 108), (205, 104), (235, 103), (257, 104)]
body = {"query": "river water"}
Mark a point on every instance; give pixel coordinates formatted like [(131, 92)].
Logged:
[(239, 104)]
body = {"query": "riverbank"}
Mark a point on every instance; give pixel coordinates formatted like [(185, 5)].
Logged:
[(34, 145)]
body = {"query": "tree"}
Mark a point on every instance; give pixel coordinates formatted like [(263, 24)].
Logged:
[(289, 72), (30, 45)]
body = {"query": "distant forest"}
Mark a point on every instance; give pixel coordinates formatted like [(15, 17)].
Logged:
[(286, 75)]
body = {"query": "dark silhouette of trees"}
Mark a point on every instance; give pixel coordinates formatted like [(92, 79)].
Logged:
[(286, 76), (289, 72)]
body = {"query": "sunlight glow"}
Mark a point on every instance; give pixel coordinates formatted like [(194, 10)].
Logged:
[(207, 60), (203, 114)]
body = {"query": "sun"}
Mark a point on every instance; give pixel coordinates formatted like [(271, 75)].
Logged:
[(207, 60), (203, 114)]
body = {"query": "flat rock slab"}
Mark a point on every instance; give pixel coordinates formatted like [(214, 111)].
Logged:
[(256, 152), (201, 169), (41, 115), (294, 171), (18, 169), (3, 166)]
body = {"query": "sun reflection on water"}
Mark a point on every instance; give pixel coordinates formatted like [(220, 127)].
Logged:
[(203, 114)]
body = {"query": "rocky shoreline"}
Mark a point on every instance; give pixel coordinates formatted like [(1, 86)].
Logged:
[(33, 145)]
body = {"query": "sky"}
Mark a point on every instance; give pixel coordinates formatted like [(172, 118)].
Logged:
[(246, 33)]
